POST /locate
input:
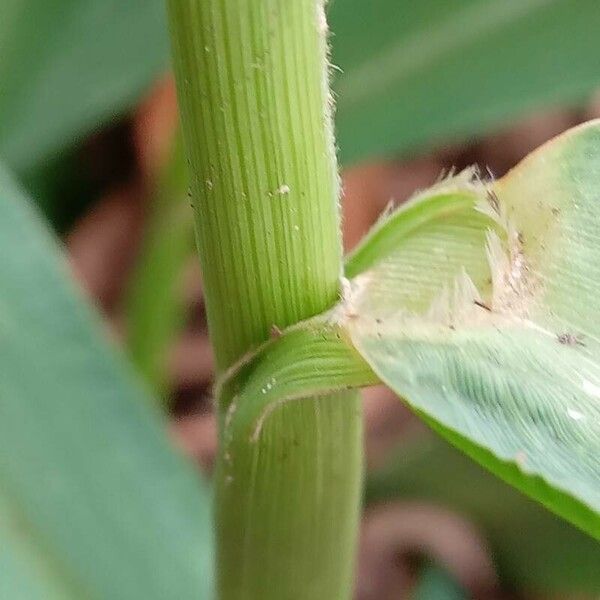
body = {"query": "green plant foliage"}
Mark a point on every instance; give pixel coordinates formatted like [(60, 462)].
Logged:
[(155, 306), (505, 356), (67, 66), (94, 503), (253, 93), (412, 73), (417, 73), (475, 302), (532, 549), (418, 113)]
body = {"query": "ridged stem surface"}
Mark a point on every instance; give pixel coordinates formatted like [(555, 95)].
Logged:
[(254, 97)]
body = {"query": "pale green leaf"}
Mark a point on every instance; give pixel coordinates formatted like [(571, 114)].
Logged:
[(505, 360), (475, 302), (94, 502)]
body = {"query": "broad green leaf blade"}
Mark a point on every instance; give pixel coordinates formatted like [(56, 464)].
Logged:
[(533, 550), (506, 364), (66, 66), (417, 73), (93, 500), (476, 304)]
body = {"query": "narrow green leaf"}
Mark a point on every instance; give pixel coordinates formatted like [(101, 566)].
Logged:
[(94, 503), (155, 306), (68, 65), (478, 308), (417, 73)]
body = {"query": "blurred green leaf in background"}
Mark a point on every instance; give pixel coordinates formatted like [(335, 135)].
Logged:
[(94, 503), (418, 73), (533, 549), (412, 73), (69, 66)]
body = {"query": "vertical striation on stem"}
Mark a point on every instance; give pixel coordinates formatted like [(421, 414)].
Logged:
[(254, 97)]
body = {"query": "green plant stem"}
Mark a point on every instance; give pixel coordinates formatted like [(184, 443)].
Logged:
[(253, 91)]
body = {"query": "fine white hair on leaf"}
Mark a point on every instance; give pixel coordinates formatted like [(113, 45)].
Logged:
[(439, 310), (465, 295), (322, 26), (499, 263), (387, 211), (345, 290), (456, 306), (467, 179), (513, 282)]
